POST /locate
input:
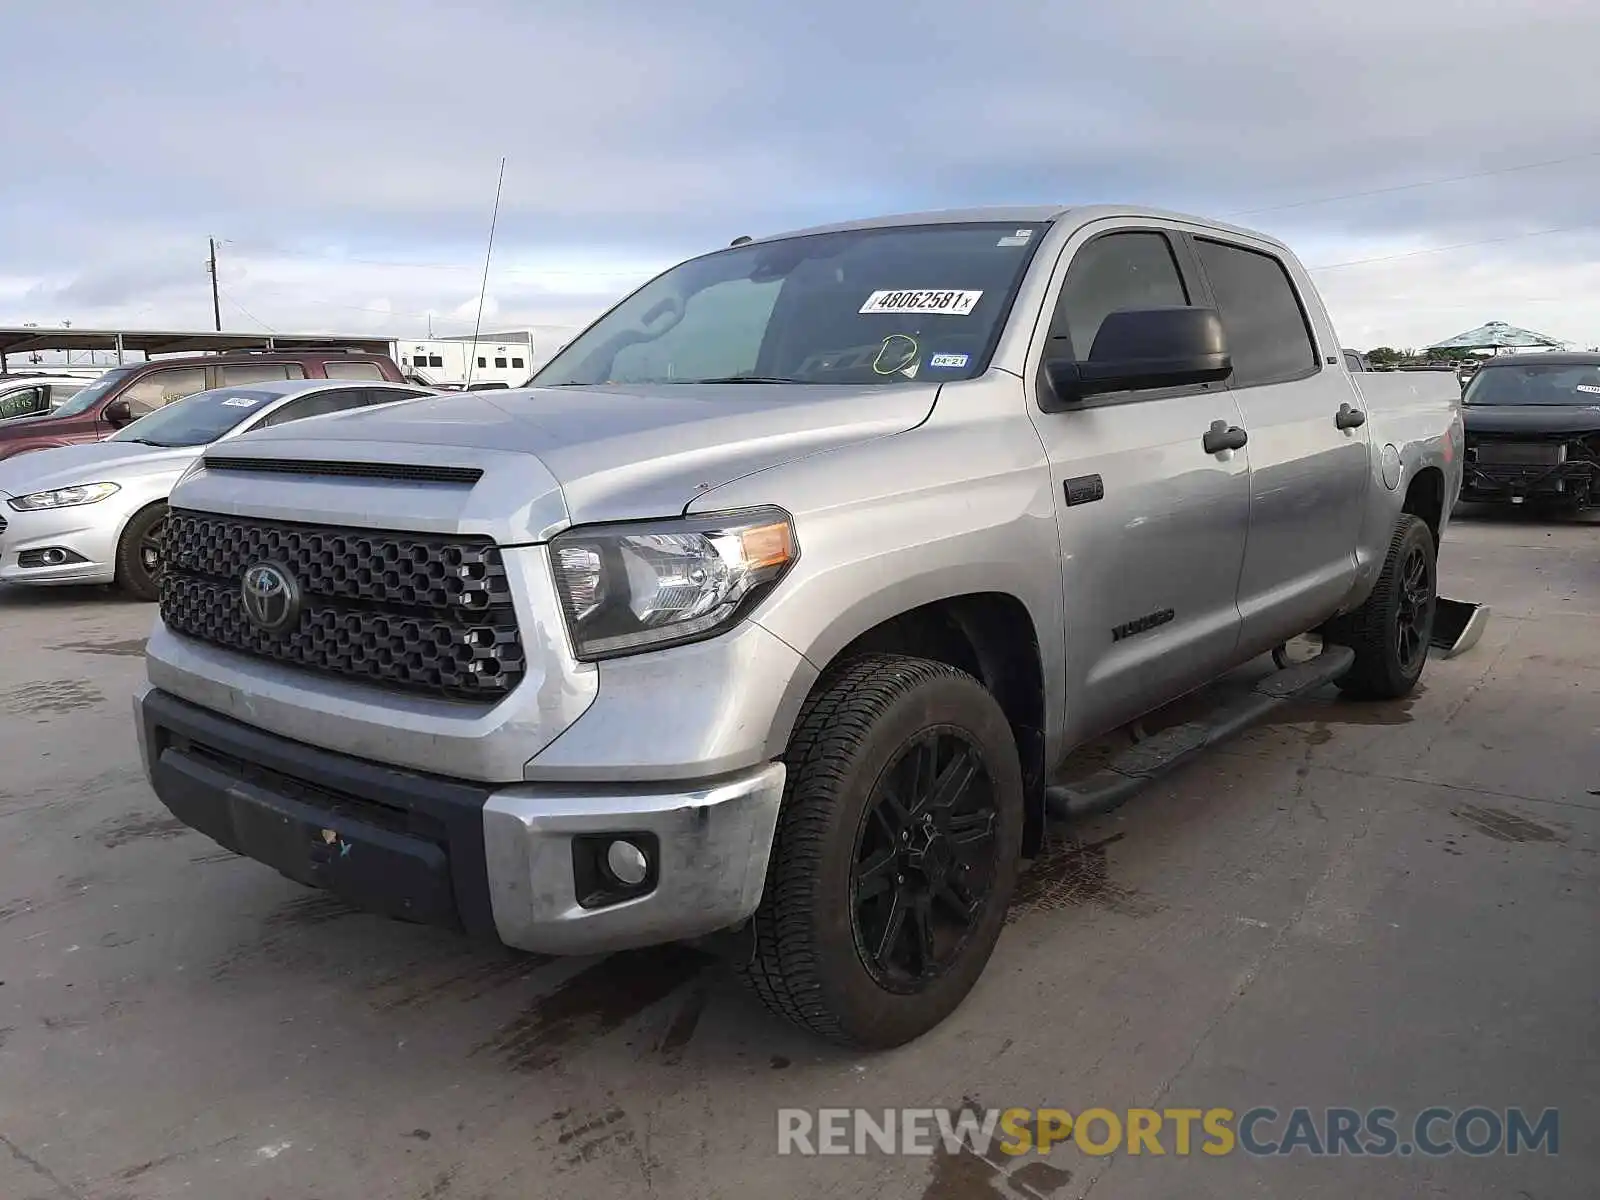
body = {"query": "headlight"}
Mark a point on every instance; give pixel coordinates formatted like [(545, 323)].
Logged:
[(88, 493), (627, 588)]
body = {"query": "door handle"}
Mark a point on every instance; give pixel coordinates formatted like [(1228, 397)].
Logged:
[(1222, 436), (1349, 418)]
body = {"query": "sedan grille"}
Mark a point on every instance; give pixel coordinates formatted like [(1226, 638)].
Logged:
[(417, 612)]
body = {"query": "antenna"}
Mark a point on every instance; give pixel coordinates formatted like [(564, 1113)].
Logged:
[(472, 352)]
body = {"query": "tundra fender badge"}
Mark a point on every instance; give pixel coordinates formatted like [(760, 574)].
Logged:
[(1142, 624)]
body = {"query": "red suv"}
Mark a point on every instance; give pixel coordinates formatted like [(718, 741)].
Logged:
[(124, 394)]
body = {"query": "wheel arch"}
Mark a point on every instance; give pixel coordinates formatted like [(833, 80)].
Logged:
[(993, 637), (1424, 498)]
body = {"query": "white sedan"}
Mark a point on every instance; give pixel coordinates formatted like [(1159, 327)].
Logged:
[(93, 513)]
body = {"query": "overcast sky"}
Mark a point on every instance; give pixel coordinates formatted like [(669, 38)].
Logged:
[(345, 151)]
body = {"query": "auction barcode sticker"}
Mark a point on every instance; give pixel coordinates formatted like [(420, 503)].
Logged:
[(951, 303)]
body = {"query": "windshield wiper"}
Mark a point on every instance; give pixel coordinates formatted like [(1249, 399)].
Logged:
[(740, 379)]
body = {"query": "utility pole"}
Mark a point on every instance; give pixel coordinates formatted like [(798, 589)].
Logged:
[(216, 305)]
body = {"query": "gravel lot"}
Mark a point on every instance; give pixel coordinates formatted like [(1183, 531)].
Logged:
[(1350, 906)]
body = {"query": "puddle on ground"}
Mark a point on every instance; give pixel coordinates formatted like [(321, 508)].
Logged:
[(964, 1174), (596, 1001), (1071, 873), (1322, 712)]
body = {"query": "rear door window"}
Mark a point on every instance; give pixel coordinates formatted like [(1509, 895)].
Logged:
[(151, 391), (318, 404), (239, 374), (1268, 335), (351, 370), (24, 402)]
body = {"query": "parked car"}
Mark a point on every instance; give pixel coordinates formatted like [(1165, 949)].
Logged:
[(93, 513), (124, 394), (32, 395), (1533, 430), (776, 603)]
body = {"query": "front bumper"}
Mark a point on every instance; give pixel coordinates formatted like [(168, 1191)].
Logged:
[(505, 863), (87, 532), (1577, 481)]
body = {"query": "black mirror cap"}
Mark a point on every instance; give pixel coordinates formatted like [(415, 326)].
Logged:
[(1146, 348), (118, 413)]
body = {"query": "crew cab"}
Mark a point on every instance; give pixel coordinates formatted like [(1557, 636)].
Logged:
[(124, 394), (772, 608)]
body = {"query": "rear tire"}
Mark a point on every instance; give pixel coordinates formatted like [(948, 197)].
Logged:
[(903, 796), (139, 554), (1390, 633)]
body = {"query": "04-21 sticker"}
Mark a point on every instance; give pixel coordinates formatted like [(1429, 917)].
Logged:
[(947, 302)]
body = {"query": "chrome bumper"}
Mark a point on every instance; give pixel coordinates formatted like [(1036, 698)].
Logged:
[(713, 842)]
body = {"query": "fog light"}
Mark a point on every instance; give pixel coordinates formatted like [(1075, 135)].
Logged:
[(627, 863), (53, 557)]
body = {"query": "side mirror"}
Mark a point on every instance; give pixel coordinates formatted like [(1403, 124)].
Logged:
[(1141, 349), (117, 414)]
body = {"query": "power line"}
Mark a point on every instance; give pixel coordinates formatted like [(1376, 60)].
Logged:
[(1510, 237), (1426, 183), (245, 311)]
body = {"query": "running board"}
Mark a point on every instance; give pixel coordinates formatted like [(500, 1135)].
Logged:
[(1159, 753), (1457, 626)]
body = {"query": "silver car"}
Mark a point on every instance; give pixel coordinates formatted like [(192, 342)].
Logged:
[(93, 513)]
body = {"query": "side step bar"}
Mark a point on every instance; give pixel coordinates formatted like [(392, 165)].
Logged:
[(1115, 783)]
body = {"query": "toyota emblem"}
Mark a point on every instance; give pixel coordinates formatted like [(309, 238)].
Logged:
[(270, 597)]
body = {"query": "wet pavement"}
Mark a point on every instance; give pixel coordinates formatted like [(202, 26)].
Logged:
[(1348, 906)]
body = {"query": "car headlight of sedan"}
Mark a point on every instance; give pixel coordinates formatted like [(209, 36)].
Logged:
[(70, 497), (633, 587)]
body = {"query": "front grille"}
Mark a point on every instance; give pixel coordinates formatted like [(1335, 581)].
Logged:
[(418, 612), (400, 472), (1521, 454), (3, 524)]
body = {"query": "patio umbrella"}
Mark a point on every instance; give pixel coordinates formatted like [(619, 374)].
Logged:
[(1497, 335)]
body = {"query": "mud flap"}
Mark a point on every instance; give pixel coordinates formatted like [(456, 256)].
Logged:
[(1457, 626)]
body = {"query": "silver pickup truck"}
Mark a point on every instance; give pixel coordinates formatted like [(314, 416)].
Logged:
[(777, 600)]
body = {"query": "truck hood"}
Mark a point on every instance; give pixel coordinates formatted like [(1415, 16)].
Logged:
[(615, 453), (1532, 419), (92, 462)]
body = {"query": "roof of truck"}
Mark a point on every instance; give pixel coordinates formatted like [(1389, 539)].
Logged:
[(1021, 215)]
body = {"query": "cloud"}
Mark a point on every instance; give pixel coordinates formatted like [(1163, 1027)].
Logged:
[(347, 152)]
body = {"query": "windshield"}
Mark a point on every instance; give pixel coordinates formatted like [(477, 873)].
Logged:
[(1536, 383), (871, 306), (90, 396), (196, 420)]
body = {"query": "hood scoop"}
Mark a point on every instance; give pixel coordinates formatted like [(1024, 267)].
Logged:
[(346, 469)]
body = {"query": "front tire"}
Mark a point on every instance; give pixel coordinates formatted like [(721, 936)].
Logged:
[(139, 553), (1391, 632), (895, 856)]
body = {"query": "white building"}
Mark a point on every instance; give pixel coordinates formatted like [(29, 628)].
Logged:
[(508, 358)]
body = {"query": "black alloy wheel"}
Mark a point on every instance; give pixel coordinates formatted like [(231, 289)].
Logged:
[(924, 861)]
